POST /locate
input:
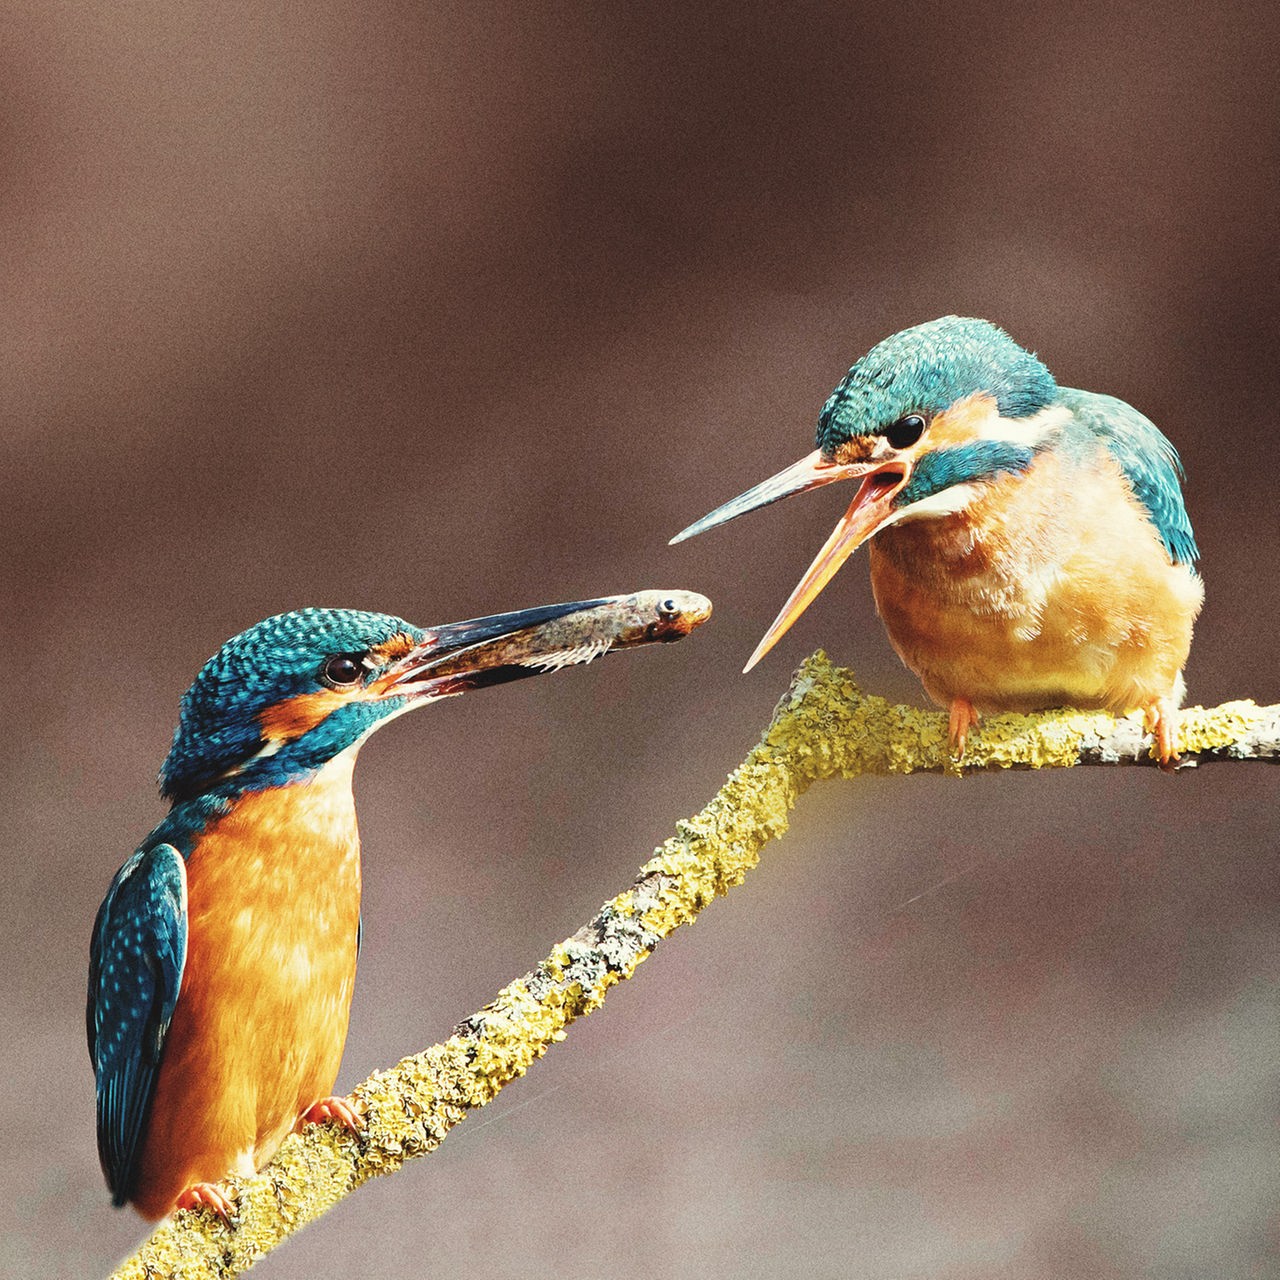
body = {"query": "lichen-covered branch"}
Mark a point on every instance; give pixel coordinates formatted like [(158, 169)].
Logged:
[(824, 727)]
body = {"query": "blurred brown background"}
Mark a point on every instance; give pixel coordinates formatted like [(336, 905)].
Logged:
[(448, 309)]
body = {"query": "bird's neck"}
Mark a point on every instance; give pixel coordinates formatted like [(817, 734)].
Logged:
[(306, 827), (322, 806), (317, 805), (1015, 526)]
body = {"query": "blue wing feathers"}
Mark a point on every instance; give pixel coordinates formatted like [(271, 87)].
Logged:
[(136, 958), (1150, 464)]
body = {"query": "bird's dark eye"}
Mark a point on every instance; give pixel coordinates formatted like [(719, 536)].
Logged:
[(668, 608), (905, 432), (342, 670)]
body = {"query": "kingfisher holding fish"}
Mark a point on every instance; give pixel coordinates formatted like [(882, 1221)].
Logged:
[(1030, 547), (224, 955)]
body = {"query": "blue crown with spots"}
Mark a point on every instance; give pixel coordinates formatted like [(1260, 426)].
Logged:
[(926, 369)]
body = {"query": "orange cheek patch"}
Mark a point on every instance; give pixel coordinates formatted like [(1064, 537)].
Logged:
[(293, 717), (960, 424), (963, 422)]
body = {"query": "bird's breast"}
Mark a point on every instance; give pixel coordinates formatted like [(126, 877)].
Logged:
[(273, 913), (274, 886), (1052, 588)]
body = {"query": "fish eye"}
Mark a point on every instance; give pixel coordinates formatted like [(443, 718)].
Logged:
[(669, 608), (905, 432), (342, 671)]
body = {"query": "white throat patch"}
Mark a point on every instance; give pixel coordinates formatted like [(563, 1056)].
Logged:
[(946, 502)]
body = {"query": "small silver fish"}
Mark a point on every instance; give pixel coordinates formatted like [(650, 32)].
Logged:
[(561, 636)]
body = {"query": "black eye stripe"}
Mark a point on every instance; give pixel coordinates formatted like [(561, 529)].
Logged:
[(342, 670), (905, 432)]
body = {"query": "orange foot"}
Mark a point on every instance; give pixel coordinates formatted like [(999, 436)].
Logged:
[(210, 1196), (964, 715), (341, 1109), (1162, 721)]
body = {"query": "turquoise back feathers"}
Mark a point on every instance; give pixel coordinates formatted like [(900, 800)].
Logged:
[(1149, 461)]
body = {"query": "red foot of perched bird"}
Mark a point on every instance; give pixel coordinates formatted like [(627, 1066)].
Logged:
[(963, 717), (206, 1195), (342, 1110), (224, 954), (209, 1195), (1029, 543)]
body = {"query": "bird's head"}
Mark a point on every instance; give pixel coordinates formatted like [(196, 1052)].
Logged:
[(279, 701), (923, 422)]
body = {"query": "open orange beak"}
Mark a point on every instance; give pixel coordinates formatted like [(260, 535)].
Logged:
[(871, 508)]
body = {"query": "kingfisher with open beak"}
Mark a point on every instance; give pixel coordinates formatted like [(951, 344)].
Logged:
[(224, 955), (1029, 543)]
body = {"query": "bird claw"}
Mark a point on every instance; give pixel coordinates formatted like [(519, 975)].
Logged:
[(1161, 721), (209, 1196), (342, 1110), (964, 715)]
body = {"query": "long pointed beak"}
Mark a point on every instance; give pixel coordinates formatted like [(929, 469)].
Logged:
[(459, 656), (811, 472), (871, 509)]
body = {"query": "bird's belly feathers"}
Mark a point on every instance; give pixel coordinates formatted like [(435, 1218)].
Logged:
[(1043, 594), (258, 1033)]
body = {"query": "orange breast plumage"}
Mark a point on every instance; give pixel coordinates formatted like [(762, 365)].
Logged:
[(1050, 589), (257, 1036)]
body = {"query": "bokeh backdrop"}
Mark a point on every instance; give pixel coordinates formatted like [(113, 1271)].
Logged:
[(444, 309)]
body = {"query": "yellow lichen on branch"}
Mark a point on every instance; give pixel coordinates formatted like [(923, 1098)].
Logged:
[(824, 727)]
